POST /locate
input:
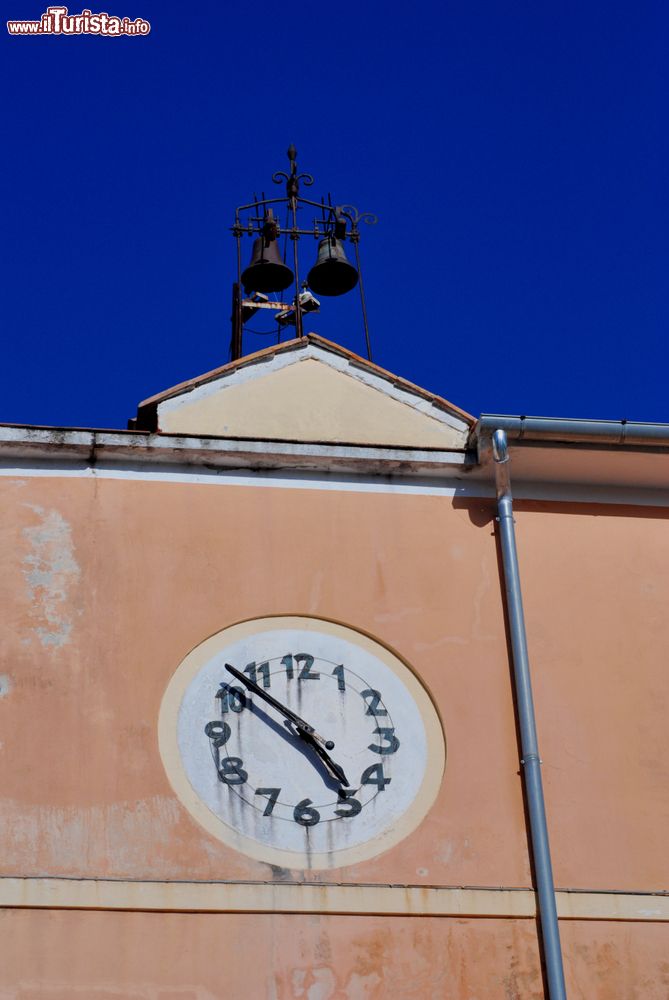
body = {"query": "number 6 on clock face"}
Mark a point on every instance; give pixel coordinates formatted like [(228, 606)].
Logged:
[(319, 748)]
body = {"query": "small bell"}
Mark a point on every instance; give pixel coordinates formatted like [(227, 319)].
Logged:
[(332, 274), (266, 272)]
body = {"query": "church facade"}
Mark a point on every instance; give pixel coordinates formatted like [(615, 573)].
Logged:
[(341, 816)]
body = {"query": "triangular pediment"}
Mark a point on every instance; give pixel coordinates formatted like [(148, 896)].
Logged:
[(308, 390)]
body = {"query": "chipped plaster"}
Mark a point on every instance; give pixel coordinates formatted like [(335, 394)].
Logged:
[(50, 570)]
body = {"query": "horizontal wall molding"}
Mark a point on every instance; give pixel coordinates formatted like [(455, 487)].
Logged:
[(577, 477), (474, 488), (282, 897), (127, 448), (273, 479)]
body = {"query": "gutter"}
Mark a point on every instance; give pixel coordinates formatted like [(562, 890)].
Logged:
[(621, 433)]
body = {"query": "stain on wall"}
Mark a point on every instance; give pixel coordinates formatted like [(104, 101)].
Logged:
[(41, 839), (50, 570)]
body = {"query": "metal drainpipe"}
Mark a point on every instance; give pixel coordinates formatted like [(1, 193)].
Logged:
[(530, 760)]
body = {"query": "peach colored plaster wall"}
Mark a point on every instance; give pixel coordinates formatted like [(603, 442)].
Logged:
[(596, 591), (140, 956), (141, 572), (75, 955), (106, 585)]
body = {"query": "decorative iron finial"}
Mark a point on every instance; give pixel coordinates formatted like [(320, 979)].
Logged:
[(293, 179)]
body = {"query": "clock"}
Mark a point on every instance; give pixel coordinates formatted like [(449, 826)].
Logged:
[(301, 742)]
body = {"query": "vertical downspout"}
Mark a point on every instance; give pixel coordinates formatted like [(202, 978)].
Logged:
[(530, 760)]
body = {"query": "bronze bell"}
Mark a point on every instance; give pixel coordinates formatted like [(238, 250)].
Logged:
[(332, 274), (266, 272)]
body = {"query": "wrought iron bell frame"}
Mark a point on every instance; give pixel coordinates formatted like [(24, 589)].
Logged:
[(340, 221)]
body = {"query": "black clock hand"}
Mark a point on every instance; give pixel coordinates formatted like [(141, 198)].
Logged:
[(333, 768), (303, 728)]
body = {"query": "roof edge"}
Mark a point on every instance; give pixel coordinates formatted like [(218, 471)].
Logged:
[(147, 410)]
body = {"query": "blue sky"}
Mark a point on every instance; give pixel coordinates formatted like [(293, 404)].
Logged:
[(516, 156)]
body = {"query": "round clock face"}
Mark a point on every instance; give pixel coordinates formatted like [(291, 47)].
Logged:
[(301, 742)]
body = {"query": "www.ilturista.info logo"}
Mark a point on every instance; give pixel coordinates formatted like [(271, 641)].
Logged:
[(57, 21)]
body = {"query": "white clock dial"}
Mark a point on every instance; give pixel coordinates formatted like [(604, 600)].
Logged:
[(340, 759)]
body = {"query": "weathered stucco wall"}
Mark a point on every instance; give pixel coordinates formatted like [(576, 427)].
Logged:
[(139, 573), (107, 584), (74, 955), (191, 957)]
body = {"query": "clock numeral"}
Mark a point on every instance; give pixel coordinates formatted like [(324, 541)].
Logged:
[(389, 735), (231, 771), (304, 814), (218, 733), (307, 661), (306, 673), (252, 670), (346, 798), (374, 698), (272, 794), (339, 674), (373, 775), (287, 662), (232, 698)]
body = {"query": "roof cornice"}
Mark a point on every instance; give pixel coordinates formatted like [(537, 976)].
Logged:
[(58, 445)]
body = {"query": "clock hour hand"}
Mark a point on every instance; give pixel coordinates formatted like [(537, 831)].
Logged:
[(303, 728), (333, 768)]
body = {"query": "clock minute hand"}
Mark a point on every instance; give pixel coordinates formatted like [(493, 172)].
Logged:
[(303, 728)]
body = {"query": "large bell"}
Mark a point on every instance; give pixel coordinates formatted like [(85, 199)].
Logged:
[(266, 272), (332, 274)]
